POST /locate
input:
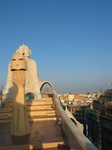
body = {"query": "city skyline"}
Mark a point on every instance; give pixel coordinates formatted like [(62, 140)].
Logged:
[(71, 41)]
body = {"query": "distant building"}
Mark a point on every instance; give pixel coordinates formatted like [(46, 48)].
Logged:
[(93, 127), (70, 97), (79, 97), (99, 123), (106, 132), (97, 105), (108, 92), (47, 90)]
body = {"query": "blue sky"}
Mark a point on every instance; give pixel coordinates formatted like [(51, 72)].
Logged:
[(70, 40)]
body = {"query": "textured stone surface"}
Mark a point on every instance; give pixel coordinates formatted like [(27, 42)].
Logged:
[(19, 124), (44, 134), (32, 84)]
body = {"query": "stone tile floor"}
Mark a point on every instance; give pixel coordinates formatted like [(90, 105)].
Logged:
[(44, 131)]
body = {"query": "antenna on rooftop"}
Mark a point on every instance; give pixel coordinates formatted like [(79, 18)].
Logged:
[(101, 89)]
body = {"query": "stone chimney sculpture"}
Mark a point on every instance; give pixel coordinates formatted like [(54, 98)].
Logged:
[(20, 124), (33, 85)]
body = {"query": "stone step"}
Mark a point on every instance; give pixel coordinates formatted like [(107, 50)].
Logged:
[(5, 120), (5, 110), (31, 113), (47, 98), (29, 108), (31, 118), (44, 107), (62, 145), (4, 116), (46, 95), (36, 103), (37, 110), (39, 103), (42, 118), (41, 113), (43, 99)]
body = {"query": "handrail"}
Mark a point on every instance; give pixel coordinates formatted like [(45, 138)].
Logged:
[(77, 140)]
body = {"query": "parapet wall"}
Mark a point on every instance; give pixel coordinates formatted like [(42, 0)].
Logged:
[(77, 140)]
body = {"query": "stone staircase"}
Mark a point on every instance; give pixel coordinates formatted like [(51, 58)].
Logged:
[(37, 110), (45, 133)]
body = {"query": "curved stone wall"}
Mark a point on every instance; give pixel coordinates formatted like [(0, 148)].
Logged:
[(77, 140)]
